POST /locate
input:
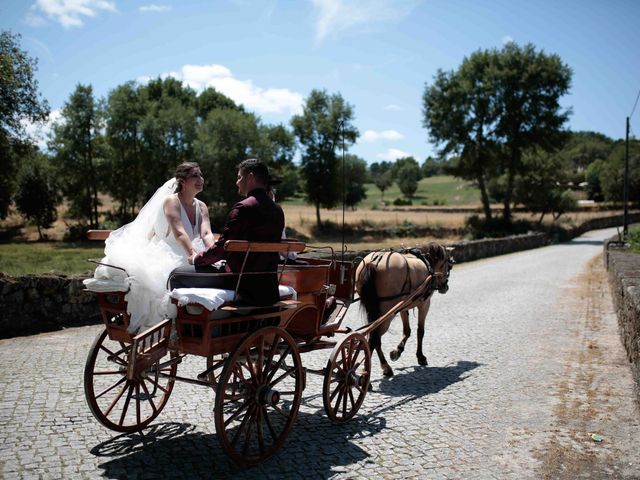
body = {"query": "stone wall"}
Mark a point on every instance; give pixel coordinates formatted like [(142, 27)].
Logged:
[(623, 267), (32, 304), (40, 303)]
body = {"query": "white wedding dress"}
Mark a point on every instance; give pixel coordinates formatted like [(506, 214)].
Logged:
[(147, 249)]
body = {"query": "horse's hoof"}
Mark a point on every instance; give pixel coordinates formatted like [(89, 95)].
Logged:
[(370, 387), (423, 361), (387, 372), (395, 355)]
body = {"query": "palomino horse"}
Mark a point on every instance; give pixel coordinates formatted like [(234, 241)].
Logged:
[(383, 279)]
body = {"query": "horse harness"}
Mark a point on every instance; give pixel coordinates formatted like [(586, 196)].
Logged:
[(416, 252)]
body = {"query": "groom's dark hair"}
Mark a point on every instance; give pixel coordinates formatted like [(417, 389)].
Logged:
[(258, 168)]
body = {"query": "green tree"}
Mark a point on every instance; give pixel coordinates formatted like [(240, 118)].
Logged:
[(168, 129), (612, 177), (210, 99), (459, 111), (494, 108), (79, 147), (382, 176), (431, 167), (321, 130), (223, 140), (19, 102), (407, 174), (355, 173), (124, 169), (542, 186), (37, 195)]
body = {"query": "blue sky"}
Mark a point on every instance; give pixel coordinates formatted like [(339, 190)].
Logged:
[(378, 54)]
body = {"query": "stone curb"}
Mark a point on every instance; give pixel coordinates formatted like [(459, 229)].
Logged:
[(623, 267)]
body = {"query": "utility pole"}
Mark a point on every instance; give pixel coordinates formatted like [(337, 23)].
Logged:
[(625, 228)]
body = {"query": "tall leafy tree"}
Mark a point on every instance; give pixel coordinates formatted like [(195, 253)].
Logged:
[(382, 176), (529, 87), (223, 140), (168, 129), (326, 122), (19, 101), (459, 111), (79, 148), (498, 105), (124, 169), (407, 174), (38, 194), (355, 174)]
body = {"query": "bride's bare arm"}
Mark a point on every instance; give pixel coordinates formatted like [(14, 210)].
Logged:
[(205, 226), (172, 213)]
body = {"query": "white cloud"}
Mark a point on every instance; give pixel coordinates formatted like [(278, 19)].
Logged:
[(372, 135), (335, 16), (244, 92), (393, 154), (506, 39), (39, 132), (393, 107), (152, 7), (68, 13)]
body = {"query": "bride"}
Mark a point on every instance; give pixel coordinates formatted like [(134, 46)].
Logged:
[(168, 232)]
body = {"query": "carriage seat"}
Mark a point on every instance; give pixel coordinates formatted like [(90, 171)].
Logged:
[(215, 298)]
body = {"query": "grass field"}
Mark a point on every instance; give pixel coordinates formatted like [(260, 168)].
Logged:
[(47, 257), (439, 190), (27, 256)]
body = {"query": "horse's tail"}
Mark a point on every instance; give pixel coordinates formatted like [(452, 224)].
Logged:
[(369, 300)]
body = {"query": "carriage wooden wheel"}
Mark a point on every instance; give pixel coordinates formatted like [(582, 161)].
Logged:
[(346, 378), (258, 395), (119, 403)]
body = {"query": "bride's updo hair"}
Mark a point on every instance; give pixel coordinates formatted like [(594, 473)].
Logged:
[(182, 173)]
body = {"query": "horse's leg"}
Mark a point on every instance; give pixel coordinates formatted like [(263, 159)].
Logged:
[(375, 343), (423, 309), (406, 333)]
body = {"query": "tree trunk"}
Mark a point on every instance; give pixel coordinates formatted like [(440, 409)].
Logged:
[(486, 206), (318, 222)]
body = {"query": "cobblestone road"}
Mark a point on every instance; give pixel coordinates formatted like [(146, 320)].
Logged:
[(525, 363)]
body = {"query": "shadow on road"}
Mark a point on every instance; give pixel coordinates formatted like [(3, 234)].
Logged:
[(419, 381), (179, 450)]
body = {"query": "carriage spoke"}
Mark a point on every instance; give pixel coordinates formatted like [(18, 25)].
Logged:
[(149, 397), (259, 416), (123, 379), (242, 425), (115, 357), (282, 377), (340, 389), (272, 431), (237, 413), (126, 404), (278, 364), (249, 430), (117, 399), (155, 383), (110, 372), (138, 402)]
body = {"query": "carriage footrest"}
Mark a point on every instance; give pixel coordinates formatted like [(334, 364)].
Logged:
[(148, 347)]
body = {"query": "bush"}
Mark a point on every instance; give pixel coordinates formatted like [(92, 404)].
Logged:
[(634, 239), (478, 227), (402, 202)]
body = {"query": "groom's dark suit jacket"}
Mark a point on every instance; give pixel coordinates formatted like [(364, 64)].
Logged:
[(256, 218)]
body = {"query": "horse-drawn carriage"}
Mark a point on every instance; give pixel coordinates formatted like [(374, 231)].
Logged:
[(252, 355)]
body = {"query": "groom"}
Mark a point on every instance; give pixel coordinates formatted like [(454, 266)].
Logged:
[(256, 218)]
